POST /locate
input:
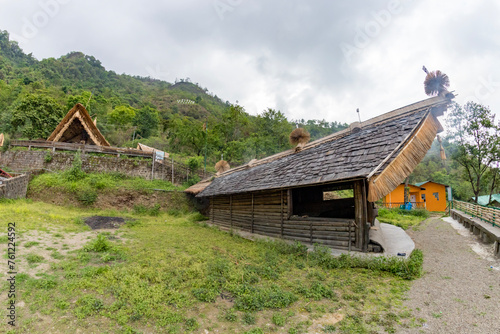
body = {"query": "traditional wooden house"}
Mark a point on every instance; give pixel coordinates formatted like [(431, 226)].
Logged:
[(284, 195), (78, 127)]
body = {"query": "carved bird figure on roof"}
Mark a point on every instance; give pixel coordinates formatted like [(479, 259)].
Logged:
[(436, 83)]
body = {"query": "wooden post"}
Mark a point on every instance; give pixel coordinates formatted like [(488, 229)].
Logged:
[(231, 210), (281, 213), (252, 213), (290, 203), (172, 170), (350, 231), (153, 168), (365, 221), (311, 231), (213, 204), (359, 213)]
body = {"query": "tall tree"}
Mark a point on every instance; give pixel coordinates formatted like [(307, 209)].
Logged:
[(147, 121), (36, 116), (473, 128), (122, 116)]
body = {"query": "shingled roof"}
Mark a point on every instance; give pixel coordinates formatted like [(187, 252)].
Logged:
[(385, 150)]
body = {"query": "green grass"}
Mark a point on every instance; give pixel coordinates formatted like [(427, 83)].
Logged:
[(170, 273), (402, 218), (86, 185)]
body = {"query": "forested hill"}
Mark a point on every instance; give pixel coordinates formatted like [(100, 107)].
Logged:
[(168, 116)]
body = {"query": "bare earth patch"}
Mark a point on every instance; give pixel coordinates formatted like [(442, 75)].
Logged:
[(52, 245), (100, 222)]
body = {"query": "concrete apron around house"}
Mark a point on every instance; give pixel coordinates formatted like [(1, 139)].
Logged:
[(392, 239), (485, 231)]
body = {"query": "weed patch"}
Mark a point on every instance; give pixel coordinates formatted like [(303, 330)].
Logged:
[(402, 218), (168, 272), (34, 258), (100, 244)]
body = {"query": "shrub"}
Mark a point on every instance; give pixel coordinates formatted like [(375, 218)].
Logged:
[(76, 173), (230, 315), (100, 244), (249, 318), (278, 319), (410, 268), (88, 305), (48, 157), (257, 299), (191, 324), (192, 180), (194, 163), (140, 209), (87, 197)]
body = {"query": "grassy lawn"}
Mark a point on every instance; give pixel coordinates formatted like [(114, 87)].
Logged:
[(170, 274), (402, 218)]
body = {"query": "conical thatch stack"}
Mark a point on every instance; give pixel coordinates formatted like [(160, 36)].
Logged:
[(222, 166), (436, 83), (441, 149), (299, 137)]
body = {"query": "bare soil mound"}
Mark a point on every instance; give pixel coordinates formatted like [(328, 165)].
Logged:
[(99, 222)]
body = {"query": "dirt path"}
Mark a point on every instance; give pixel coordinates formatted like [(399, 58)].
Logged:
[(459, 292)]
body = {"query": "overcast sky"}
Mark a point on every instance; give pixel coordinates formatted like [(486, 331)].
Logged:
[(309, 59)]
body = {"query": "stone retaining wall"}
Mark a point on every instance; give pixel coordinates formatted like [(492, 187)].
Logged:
[(15, 187), (22, 161)]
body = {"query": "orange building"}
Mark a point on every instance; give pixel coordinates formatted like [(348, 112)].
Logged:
[(425, 195), (397, 197), (434, 195)]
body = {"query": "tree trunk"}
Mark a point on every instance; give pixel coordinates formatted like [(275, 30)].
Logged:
[(407, 191), (493, 184)]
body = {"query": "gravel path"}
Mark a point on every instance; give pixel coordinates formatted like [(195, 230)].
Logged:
[(459, 292)]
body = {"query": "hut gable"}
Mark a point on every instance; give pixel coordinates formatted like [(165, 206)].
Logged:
[(78, 127), (383, 150)]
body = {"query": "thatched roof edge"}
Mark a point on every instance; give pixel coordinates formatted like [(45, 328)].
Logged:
[(198, 187), (427, 103), (88, 124), (426, 109)]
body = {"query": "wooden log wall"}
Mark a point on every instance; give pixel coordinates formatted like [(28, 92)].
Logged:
[(267, 213)]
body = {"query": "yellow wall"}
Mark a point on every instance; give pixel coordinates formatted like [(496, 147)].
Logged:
[(398, 194), (432, 203)]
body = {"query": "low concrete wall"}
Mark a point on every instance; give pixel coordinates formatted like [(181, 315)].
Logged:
[(15, 187), (57, 161), (485, 231)]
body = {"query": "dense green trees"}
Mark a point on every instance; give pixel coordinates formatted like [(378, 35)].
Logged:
[(129, 107), (473, 129), (147, 121), (35, 95), (36, 116)]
